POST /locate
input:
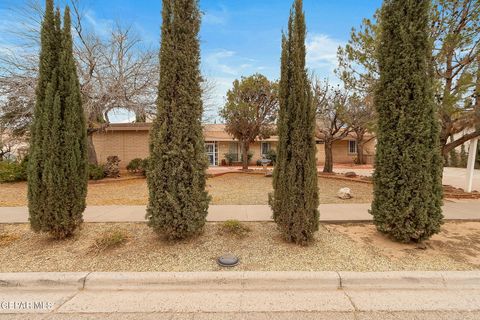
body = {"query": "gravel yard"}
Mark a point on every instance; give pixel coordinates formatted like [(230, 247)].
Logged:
[(233, 188), (337, 247)]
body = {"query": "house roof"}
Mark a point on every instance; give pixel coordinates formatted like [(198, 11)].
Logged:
[(139, 126), (211, 132)]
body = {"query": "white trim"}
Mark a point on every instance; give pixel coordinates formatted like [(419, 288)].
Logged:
[(213, 153), (268, 143), (349, 147)]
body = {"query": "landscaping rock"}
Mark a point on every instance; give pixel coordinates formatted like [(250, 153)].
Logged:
[(268, 173), (350, 174), (345, 193)]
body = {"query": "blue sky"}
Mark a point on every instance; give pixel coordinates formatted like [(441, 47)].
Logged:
[(240, 37)]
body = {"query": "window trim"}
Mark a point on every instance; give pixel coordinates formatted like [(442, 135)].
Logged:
[(268, 148), (349, 147)]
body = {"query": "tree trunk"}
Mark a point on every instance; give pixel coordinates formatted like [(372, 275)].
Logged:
[(452, 145), (360, 143), (328, 166), (360, 157), (245, 148), (92, 154)]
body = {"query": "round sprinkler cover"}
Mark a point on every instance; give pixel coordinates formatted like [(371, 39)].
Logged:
[(227, 260)]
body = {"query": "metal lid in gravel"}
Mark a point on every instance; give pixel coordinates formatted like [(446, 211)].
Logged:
[(228, 260)]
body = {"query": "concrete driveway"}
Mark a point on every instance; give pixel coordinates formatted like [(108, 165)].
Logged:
[(455, 177)]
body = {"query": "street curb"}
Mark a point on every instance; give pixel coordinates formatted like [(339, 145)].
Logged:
[(42, 280), (242, 280), (410, 280), (214, 280)]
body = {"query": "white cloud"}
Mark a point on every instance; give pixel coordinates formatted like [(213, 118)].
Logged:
[(322, 54), (222, 67), (103, 27), (225, 62)]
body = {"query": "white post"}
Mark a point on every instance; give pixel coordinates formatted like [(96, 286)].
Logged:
[(472, 152)]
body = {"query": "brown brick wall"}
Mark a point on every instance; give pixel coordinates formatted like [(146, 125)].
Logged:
[(341, 153), (127, 145), (131, 144)]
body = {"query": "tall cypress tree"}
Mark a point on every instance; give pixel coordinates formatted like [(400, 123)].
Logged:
[(407, 179), (178, 202), (57, 175), (294, 201)]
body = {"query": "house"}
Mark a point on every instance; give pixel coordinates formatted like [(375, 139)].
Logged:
[(130, 141)]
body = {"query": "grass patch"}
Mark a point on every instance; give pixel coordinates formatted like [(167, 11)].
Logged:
[(110, 240), (7, 239), (236, 228)]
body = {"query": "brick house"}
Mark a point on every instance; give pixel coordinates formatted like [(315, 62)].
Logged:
[(129, 141)]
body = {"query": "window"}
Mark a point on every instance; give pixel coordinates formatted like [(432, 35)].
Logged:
[(352, 146), (234, 149), (265, 148)]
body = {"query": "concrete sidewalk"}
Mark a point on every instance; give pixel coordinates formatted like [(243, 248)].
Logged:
[(455, 177), (352, 212), (241, 295)]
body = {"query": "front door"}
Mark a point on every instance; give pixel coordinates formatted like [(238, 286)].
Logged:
[(211, 153)]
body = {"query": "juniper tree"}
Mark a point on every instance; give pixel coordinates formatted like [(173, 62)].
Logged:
[(407, 179), (178, 202), (57, 175), (294, 201)]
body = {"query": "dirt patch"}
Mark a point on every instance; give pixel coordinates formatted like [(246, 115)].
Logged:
[(254, 189), (343, 177), (232, 188), (336, 247), (459, 241), (459, 193)]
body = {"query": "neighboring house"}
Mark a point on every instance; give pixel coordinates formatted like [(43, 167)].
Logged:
[(130, 141), (12, 148)]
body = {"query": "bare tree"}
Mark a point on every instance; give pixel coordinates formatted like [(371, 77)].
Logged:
[(208, 99), (332, 118), (456, 30), (360, 116), (456, 37), (9, 144), (19, 68), (116, 72)]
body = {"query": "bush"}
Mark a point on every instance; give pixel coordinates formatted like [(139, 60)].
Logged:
[(236, 228), (463, 157), (259, 162), (145, 165), (249, 156), (453, 160), (13, 171), (272, 156), (110, 240), (111, 168), (95, 172), (230, 158), (7, 239), (135, 165)]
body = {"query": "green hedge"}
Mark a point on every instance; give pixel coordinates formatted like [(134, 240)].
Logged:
[(138, 165), (13, 171), (96, 172)]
